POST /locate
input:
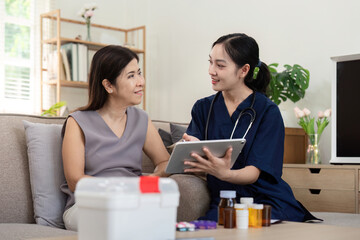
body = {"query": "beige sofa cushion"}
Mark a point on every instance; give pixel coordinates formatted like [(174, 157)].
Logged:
[(16, 231)]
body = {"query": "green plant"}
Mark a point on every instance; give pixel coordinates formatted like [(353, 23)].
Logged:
[(52, 111), (288, 84)]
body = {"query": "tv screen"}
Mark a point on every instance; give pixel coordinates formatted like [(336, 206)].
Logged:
[(346, 132), (348, 109)]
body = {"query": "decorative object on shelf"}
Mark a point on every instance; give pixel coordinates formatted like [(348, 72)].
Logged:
[(288, 84), (87, 12), (308, 124)]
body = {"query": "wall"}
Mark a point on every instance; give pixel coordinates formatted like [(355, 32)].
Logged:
[(180, 33)]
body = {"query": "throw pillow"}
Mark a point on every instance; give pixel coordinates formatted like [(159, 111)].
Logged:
[(46, 172), (165, 137), (177, 132)]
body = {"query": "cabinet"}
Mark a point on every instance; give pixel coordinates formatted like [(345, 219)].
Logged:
[(52, 40), (325, 188), (295, 145)]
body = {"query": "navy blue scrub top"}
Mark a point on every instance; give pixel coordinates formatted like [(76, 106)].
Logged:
[(264, 149)]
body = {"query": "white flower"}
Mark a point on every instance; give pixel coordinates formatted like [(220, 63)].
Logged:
[(298, 112), (89, 14), (327, 113), (87, 11), (306, 112), (321, 114)]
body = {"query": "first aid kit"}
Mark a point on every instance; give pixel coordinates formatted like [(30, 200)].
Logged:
[(127, 208)]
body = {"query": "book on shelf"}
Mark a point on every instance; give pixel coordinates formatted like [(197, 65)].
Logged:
[(71, 53), (66, 65), (91, 54), (77, 55), (53, 67), (83, 62)]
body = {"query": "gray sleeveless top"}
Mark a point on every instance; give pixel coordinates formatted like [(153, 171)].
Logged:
[(107, 155)]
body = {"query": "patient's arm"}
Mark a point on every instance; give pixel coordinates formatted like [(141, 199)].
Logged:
[(73, 152), (156, 151)]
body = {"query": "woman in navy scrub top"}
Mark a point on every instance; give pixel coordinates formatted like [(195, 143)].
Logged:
[(258, 169)]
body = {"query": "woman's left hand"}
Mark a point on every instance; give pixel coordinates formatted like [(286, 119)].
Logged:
[(218, 167)]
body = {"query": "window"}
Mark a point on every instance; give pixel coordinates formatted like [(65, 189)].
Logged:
[(19, 53), (16, 61)]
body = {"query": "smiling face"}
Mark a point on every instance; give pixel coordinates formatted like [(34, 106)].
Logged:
[(225, 74), (129, 85)]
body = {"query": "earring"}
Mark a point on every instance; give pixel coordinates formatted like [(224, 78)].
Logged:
[(110, 91)]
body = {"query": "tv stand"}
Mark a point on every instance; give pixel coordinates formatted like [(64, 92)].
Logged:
[(325, 188)]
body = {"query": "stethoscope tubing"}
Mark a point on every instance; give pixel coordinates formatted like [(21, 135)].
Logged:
[(243, 112)]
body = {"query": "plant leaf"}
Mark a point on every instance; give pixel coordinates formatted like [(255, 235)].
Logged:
[(52, 111)]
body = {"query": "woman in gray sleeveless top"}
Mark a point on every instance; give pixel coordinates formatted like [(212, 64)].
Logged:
[(106, 137)]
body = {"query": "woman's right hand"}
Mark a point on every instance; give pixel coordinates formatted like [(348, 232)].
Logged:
[(189, 138)]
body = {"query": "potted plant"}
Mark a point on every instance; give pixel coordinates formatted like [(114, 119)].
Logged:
[(291, 83)]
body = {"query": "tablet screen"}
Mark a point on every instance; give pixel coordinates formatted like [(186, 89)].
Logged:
[(182, 151)]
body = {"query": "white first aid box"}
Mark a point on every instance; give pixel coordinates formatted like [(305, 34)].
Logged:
[(127, 208)]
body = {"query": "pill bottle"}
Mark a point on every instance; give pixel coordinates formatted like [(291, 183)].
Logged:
[(227, 199), (257, 215), (266, 216), (248, 201), (229, 217), (242, 216)]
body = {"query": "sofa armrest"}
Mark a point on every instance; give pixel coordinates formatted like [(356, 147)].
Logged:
[(194, 197)]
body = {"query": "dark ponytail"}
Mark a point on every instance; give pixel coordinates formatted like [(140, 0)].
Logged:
[(262, 80), (243, 49)]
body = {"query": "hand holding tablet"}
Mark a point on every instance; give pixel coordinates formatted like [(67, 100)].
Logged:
[(182, 152)]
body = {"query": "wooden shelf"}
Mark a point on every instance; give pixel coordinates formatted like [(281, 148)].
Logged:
[(65, 83), (91, 45), (55, 41)]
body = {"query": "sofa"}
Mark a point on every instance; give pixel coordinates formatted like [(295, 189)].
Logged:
[(17, 216), (17, 185)]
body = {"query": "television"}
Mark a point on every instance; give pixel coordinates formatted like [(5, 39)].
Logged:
[(345, 104)]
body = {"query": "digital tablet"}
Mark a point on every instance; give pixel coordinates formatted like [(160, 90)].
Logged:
[(182, 151)]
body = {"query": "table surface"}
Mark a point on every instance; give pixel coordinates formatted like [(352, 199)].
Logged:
[(281, 231)]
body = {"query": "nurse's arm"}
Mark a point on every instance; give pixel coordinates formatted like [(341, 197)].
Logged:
[(244, 176)]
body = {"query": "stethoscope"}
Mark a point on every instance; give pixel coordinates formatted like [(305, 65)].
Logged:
[(249, 111)]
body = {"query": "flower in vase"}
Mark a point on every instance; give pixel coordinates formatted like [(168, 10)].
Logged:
[(87, 12), (307, 122)]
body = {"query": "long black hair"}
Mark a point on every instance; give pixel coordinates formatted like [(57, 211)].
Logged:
[(107, 63), (243, 49)]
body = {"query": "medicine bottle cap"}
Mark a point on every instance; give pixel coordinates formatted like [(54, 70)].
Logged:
[(258, 206), (227, 194), (267, 207), (247, 200), (240, 206)]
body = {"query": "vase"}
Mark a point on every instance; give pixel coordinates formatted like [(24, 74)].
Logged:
[(88, 36), (313, 151)]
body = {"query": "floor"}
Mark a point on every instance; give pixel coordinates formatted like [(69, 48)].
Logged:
[(339, 219)]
